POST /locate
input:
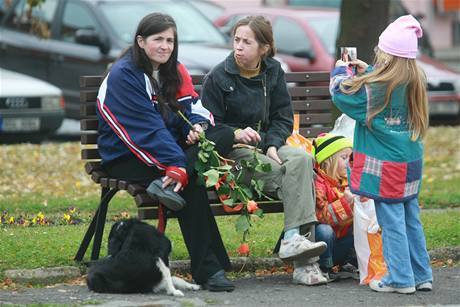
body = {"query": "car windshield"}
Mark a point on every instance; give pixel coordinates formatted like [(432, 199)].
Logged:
[(326, 29), (192, 27)]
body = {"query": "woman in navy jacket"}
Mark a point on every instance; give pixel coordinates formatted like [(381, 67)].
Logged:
[(142, 138)]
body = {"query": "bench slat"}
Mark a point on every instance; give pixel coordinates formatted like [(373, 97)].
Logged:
[(94, 81), (90, 167), (307, 76), (90, 154), (311, 105), (217, 210), (135, 188), (308, 91), (88, 109), (88, 95), (91, 81), (309, 119), (89, 124), (312, 132), (88, 139)]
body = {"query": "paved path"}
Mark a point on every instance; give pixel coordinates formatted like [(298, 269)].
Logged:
[(253, 291)]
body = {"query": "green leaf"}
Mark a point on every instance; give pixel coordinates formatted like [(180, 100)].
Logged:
[(247, 191), (223, 190), (214, 160), (246, 163), (229, 202), (259, 212), (213, 177), (202, 157), (224, 168), (266, 167), (242, 223), (238, 195)]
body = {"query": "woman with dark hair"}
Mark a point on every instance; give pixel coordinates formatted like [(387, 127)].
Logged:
[(246, 90), (142, 138)]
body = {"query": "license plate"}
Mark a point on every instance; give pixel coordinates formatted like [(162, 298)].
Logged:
[(20, 124), (444, 108)]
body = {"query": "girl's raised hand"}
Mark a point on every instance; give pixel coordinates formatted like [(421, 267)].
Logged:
[(341, 63), (361, 66)]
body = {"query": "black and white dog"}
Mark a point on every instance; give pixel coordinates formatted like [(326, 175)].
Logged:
[(137, 262)]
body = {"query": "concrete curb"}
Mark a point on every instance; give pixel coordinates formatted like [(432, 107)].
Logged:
[(47, 276)]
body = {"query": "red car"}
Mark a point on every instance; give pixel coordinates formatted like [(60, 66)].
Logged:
[(305, 40)]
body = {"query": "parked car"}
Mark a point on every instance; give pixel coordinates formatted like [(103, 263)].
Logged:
[(305, 40), (60, 40), (209, 9), (30, 109)]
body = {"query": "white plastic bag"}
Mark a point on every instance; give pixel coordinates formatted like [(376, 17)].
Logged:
[(368, 242), (344, 125)]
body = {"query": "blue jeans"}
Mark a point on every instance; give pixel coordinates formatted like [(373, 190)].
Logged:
[(404, 246), (338, 251)]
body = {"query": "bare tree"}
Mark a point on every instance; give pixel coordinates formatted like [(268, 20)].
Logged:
[(361, 22)]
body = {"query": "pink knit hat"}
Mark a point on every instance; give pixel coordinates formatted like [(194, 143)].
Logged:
[(400, 37)]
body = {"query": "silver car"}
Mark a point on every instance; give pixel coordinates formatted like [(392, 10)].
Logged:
[(30, 109)]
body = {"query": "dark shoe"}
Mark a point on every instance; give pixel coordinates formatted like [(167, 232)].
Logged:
[(345, 272), (219, 283), (166, 196)]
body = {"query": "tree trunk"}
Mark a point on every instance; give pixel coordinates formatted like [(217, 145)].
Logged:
[(361, 22)]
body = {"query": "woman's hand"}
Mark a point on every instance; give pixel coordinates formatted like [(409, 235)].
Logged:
[(247, 136), (272, 153), (194, 134), (168, 180), (361, 66)]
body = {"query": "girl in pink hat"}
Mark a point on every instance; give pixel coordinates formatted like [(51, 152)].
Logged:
[(389, 103)]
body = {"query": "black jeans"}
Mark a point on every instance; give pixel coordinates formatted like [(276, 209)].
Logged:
[(198, 225)]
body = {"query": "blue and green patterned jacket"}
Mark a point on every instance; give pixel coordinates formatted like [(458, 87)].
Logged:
[(387, 164)]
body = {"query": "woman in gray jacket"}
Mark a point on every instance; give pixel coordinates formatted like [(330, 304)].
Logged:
[(249, 88)]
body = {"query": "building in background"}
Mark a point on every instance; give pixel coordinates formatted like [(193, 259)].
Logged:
[(441, 18)]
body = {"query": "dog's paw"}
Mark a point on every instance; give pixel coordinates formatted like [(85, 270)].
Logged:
[(194, 287), (176, 292)]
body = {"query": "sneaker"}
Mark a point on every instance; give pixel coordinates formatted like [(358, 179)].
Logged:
[(426, 286), (309, 275), (326, 273), (345, 272), (299, 246), (379, 286)]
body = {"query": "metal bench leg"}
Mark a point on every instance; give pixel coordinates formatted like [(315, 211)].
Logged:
[(106, 196), (100, 223)]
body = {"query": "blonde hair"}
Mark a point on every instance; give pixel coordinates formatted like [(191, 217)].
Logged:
[(394, 71), (331, 167)]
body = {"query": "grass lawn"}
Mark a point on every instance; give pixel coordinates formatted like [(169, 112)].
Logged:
[(32, 247), (29, 186)]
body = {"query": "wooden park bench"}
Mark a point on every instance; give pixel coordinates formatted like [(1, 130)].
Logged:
[(310, 98)]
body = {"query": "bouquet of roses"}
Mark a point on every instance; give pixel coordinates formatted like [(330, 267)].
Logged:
[(234, 183)]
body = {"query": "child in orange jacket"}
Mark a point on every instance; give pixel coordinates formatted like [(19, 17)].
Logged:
[(334, 205)]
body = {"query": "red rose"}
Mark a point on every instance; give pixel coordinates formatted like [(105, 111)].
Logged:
[(252, 206), (244, 249)]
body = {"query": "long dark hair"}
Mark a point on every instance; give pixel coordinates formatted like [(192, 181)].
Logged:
[(169, 75)]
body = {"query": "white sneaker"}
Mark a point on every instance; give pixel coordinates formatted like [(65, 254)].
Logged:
[(309, 275), (299, 246), (426, 286), (378, 286)]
